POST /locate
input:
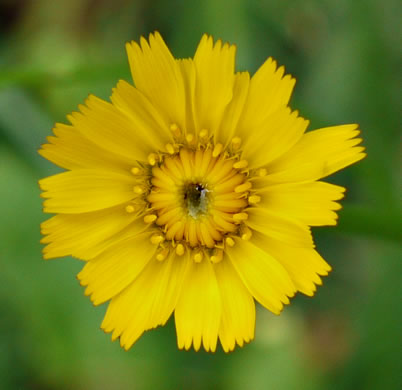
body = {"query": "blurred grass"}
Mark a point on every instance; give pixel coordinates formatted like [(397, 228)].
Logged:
[(346, 60)]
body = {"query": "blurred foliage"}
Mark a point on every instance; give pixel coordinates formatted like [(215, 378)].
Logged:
[(345, 56)]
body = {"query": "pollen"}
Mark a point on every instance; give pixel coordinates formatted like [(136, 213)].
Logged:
[(175, 129), (236, 142), (169, 148), (254, 199), (130, 208), (190, 138), (157, 239), (198, 256), (240, 217), (180, 250), (230, 242), (138, 189), (243, 187), (240, 164), (162, 254), (152, 159), (150, 218)]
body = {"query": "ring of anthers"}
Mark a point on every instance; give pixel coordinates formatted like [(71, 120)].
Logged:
[(195, 194)]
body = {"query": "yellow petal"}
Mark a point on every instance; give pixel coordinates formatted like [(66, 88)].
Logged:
[(108, 127), (85, 190), (114, 269), (79, 235), (330, 149), (303, 264), (238, 308), (227, 130), (273, 137), (188, 73), (264, 277), (214, 64), (157, 75), (71, 150), (269, 91), (310, 203), (198, 310), (280, 227), (148, 301), (148, 123)]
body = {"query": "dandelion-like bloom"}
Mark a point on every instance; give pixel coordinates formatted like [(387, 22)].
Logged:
[(193, 193)]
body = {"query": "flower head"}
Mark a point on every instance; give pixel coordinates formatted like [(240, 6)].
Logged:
[(193, 193)]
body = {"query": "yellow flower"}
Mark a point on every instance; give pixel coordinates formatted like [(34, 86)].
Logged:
[(193, 193)]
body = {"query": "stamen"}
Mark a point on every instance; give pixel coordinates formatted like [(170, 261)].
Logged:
[(135, 171), (138, 190), (162, 254), (203, 134), (190, 138), (254, 199), (180, 250), (236, 142), (240, 164), (217, 256), (198, 257), (239, 217), (217, 150), (150, 218), (175, 129), (243, 187), (230, 241), (170, 148), (130, 208), (245, 233), (262, 172), (156, 239), (152, 159)]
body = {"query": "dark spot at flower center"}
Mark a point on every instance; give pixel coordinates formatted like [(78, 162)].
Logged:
[(195, 198)]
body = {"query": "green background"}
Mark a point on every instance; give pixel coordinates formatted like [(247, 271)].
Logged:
[(345, 56)]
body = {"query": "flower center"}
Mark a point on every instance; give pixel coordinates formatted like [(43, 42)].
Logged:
[(195, 196), (196, 199)]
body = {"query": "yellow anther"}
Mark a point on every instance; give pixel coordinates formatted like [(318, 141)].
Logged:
[(246, 233), (135, 171), (217, 150), (217, 256), (262, 172), (243, 187), (230, 241), (203, 134), (254, 199), (157, 239), (198, 257), (180, 250), (240, 217), (170, 148), (190, 138), (152, 158), (150, 218), (138, 190), (240, 164), (236, 142), (175, 129), (162, 254), (130, 208)]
